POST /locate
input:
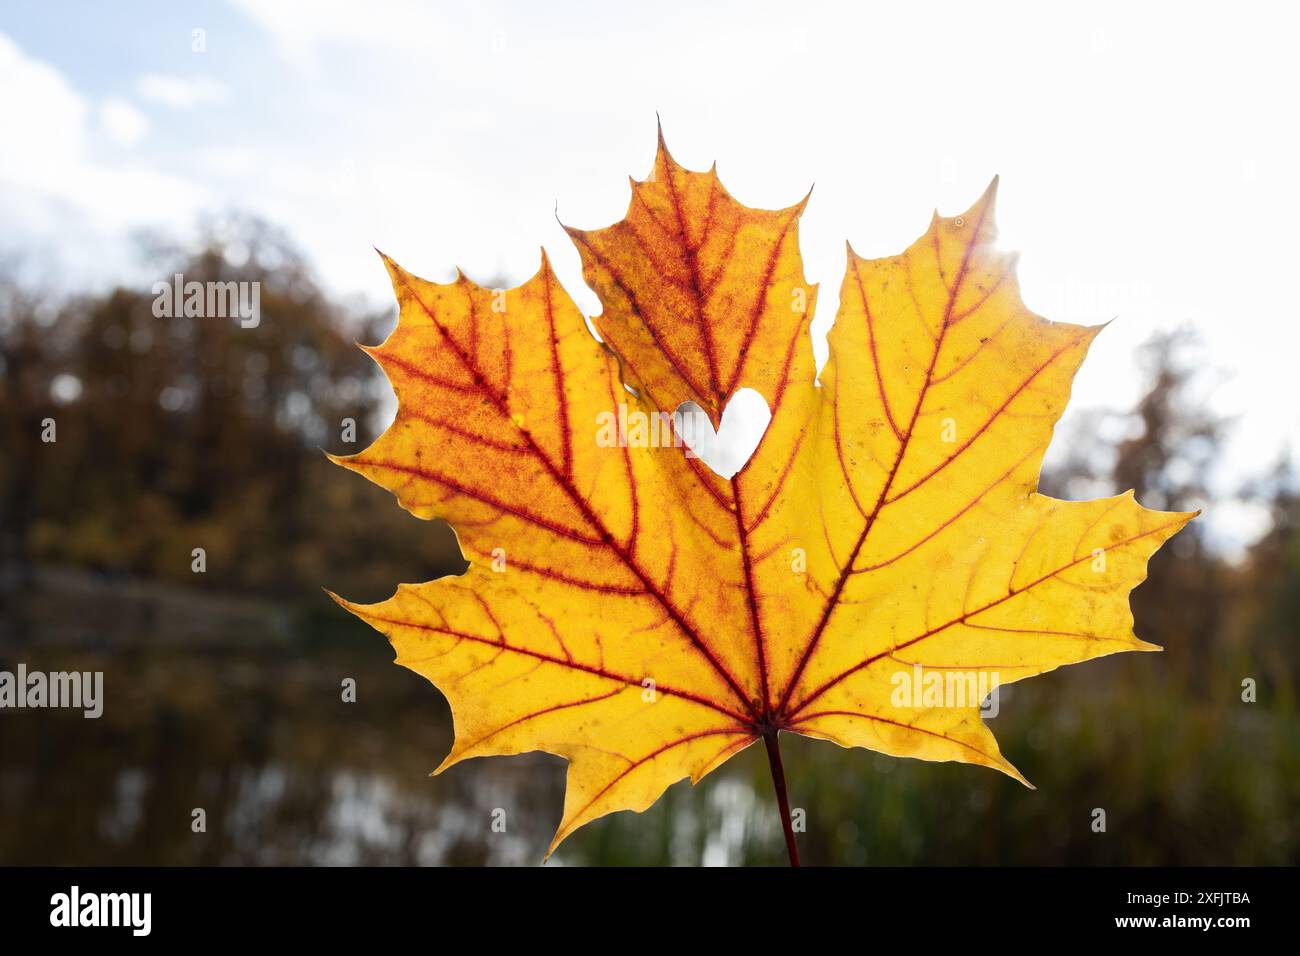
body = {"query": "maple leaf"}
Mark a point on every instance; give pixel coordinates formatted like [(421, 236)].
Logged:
[(637, 614)]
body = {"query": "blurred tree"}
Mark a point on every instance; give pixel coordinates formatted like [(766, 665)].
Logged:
[(1163, 450), (25, 384), (1166, 463), (184, 432), (1272, 575)]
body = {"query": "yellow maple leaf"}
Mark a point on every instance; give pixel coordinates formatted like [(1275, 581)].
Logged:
[(637, 614)]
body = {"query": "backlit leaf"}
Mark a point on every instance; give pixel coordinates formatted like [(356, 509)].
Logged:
[(631, 611)]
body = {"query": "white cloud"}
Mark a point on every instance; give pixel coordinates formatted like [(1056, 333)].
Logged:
[(124, 124), (181, 92), (300, 28), (64, 190), (48, 112), (229, 161)]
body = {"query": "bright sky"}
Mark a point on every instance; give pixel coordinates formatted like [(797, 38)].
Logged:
[(1148, 152)]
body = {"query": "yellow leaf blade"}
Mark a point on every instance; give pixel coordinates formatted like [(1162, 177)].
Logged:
[(646, 619)]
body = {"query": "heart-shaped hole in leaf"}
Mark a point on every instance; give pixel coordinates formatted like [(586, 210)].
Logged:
[(744, 422)]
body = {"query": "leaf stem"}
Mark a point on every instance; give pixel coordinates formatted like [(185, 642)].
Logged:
[(782, 801)]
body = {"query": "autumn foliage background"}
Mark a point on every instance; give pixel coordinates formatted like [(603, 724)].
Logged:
[(186, 431)]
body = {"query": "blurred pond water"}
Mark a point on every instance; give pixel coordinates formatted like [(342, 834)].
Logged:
[(250, 726)]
